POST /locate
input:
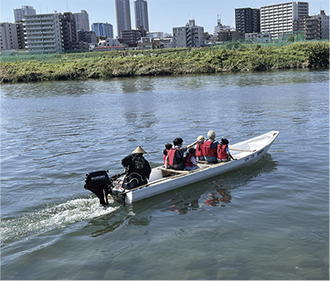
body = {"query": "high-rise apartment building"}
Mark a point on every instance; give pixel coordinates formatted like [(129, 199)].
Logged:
[(24, 11), (280, 18), (123, 15), (247, 20), (141, 14), (69, 31), (103, 29), (8, 36), (82, 20), (190, 35), (43, 33)]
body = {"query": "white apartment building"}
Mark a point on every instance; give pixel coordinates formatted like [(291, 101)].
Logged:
[(190, 35), (43, 34), (279, 18), (8, 36)]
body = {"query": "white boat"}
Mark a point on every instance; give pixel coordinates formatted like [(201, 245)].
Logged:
[(162, 180)]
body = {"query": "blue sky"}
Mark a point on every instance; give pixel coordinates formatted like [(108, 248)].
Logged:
[(163, 14)]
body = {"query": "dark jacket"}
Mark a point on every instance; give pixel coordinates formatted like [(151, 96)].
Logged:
[(137, 171)]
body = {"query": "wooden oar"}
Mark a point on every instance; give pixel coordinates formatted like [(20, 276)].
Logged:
[(188, 146), (174, 171), (243, 150)]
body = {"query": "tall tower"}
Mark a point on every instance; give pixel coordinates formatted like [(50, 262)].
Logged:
[(123, 15), (141, 14)]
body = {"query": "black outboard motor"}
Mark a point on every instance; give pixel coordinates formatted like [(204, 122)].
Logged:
[(99, 183)]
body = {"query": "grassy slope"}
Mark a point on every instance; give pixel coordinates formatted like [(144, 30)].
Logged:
[(164, 62)]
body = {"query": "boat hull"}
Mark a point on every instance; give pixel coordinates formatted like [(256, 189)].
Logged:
[(247, 153)]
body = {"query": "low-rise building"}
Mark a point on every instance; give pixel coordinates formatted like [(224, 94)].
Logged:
[(110, 48), (130, 37), (230, 35), (220, 27), (108, 42), (162, 43), (159, 34), (258, 37), (146, 43), (87, 36), (190, 35)]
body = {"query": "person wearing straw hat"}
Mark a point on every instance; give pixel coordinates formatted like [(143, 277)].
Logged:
[(137, 169)]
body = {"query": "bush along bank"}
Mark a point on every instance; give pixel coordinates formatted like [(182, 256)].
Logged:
[(165, 62)]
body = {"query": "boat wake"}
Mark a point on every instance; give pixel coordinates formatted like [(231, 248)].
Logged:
[(52, 217)]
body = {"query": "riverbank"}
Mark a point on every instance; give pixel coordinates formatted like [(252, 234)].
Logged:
[(106, 65)]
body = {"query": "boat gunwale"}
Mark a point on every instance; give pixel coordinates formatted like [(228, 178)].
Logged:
[(210, 166)]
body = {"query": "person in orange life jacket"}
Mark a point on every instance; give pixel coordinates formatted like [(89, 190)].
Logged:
[(137, 169), (199, 148), (210, 148), (223, 153), (175, 158), (191, 162), (168, 146)]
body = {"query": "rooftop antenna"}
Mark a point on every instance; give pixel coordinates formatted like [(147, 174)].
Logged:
[(218, 18)]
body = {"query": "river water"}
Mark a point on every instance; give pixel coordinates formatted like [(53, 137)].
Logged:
[(266, 221)]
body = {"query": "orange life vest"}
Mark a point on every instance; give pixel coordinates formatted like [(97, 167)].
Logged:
[(207, 150), (221, 152)]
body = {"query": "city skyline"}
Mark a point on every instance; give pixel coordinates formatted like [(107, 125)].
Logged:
[(163, 14)]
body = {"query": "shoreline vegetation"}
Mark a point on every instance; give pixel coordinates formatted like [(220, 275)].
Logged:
[(232, 57)]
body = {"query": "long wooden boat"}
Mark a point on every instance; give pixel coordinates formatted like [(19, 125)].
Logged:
[(162, 180)]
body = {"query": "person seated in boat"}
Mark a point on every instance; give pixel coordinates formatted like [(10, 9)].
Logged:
[(190, 160), (175, 157), (199, 148), (223, 154), (168, 146), (137, 169), (210, 147)]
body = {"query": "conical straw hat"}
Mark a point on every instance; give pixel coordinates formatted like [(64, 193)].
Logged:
[(139, 149)]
